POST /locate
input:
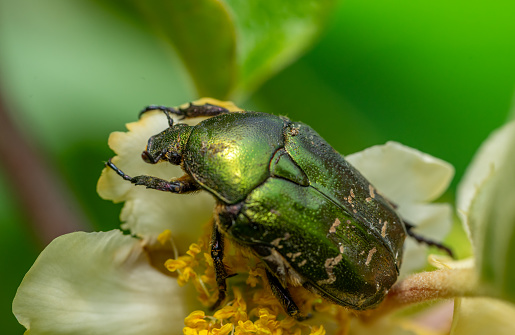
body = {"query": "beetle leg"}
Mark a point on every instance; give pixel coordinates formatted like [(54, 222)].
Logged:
[(163, 109), (283, 295), (202, 110), (217, 254), (188, 112), (424, 240), (183, 184)]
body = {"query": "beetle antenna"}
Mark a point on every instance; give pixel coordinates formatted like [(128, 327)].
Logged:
[(164, 109)]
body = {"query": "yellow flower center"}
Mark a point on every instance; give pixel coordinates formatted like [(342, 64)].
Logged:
[(265, 315)]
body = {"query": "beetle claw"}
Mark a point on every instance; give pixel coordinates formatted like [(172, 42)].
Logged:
[(117, 170), (221, 298)]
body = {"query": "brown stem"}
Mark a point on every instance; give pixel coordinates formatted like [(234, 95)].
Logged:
[(50, 207), (427, 286)]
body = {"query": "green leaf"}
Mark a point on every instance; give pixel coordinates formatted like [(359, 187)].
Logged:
[(231, 47), (202, 33), (272, 34), (491, 216)]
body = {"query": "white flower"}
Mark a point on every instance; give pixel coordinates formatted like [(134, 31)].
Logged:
[(110, 283), (100, 283), (486, 205), (411, 180)]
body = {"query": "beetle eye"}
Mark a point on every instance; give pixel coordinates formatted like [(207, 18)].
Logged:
[(146, 157)]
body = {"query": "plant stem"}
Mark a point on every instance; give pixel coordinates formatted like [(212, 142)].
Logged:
[(48, 204), (427, 286)]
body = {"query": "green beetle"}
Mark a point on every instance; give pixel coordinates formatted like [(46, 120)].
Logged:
[(284, 193)]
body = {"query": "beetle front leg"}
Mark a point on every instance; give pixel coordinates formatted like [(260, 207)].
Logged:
[(164, 109), (189, 112), (184, 184), (217, 254), (283, 295), (202, 110)]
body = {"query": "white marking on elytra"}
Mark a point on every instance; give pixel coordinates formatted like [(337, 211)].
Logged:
[(276, 242), (302, 263), (370, 254), (372, 191), (329, 264), (336, 223), (293, 256), (352, 193), (279, 239), (341, 249), (383, 230)]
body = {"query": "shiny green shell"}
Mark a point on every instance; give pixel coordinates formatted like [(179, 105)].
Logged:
[(286, 194)]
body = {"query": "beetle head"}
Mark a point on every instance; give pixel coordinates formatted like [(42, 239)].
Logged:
[(167, 145)]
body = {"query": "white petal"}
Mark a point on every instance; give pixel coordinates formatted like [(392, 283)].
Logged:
[(410, 178), (99, 283), (403, 174), (491, 216), (433, 221), (149, 212), (384, 326), (475, 316), (414, 259), (491, 155)]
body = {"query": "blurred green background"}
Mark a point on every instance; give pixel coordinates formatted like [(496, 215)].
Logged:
[(435, 75)]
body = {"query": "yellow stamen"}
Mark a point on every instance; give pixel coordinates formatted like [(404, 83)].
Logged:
[(193, 250), (234, 318), (224, 330), (195, 320), (317, 331), (164, 237), (175, 264)]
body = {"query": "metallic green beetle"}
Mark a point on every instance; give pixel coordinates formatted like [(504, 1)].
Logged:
[(284, 193)]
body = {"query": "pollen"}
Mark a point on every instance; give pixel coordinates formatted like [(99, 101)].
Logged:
[(251, 306), (318, 331), (164, 237), (195, 320), (193, 250)]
